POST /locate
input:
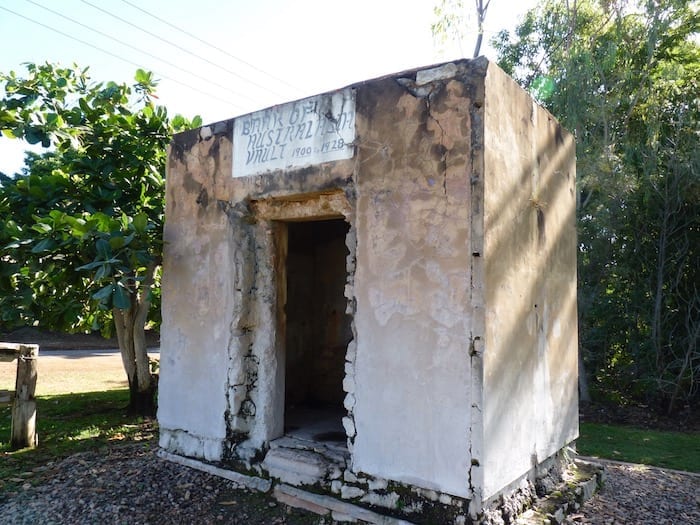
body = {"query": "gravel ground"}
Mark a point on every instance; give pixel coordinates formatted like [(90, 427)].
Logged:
[(636, 494), (130, 484)]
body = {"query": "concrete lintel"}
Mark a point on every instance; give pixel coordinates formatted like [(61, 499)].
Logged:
[(323, 504), (251, 482), (303, 207)]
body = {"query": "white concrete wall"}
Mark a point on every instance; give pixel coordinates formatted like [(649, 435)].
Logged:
[(412, 373), (197, 300), (530, 356)]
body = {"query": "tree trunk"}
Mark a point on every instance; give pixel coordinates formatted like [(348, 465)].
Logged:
[(692, 329), (658, 295), (131, 334), (584, 395), (480, 14)]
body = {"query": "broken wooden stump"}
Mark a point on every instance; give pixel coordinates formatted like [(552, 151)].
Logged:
[(23, 433)]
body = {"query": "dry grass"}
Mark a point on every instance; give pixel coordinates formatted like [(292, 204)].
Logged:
[(66, 375)]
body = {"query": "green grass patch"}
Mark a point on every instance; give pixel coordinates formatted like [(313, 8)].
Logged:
[(675, 450), (67, 424)]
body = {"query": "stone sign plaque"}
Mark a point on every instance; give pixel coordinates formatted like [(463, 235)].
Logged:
[(297, 134)]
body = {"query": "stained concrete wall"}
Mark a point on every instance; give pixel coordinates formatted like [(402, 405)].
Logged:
[(458, 198), (222, 341), (412, 372), (197, 292), (530, 352)]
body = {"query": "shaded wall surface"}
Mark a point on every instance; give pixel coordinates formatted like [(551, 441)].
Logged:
[(530, 354), (459, 269)]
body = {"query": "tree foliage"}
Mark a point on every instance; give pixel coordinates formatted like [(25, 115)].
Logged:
[(84, 238), (452, 19), (623, 76)]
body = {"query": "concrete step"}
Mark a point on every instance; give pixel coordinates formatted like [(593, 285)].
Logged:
[(296, 466)]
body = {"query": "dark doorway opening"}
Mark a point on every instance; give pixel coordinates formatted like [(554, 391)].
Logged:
[(317, 329)]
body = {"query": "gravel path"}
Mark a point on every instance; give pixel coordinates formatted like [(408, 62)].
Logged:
[(131, 485), (636, 494)]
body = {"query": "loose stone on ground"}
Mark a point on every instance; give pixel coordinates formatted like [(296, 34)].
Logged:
[(131, 485)]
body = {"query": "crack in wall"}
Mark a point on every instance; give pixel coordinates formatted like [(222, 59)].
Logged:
[(427, 92), (443, 149)]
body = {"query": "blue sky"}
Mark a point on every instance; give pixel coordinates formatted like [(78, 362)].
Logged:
[(247, 54)]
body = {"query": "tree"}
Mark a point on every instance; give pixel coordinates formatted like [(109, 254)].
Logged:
[(85, 235), (451, 21), (623, 76), (35, 289)]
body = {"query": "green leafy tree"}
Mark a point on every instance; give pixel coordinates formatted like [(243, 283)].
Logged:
[(623, 76), (36, 288), (84, 239)]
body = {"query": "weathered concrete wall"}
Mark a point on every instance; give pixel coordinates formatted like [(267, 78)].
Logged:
[(412, 373), (197, 291), (530, 352), (458, 195), (222, 362)]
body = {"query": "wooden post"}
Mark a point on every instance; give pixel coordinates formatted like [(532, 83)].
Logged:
[(24, 405)]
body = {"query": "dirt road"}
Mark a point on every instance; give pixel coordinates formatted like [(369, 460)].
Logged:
[(63, 372)]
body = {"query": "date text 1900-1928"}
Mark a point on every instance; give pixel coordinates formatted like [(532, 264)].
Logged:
[(309, 131)]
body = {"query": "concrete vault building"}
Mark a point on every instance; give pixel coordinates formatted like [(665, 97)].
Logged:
[(369, 296)]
